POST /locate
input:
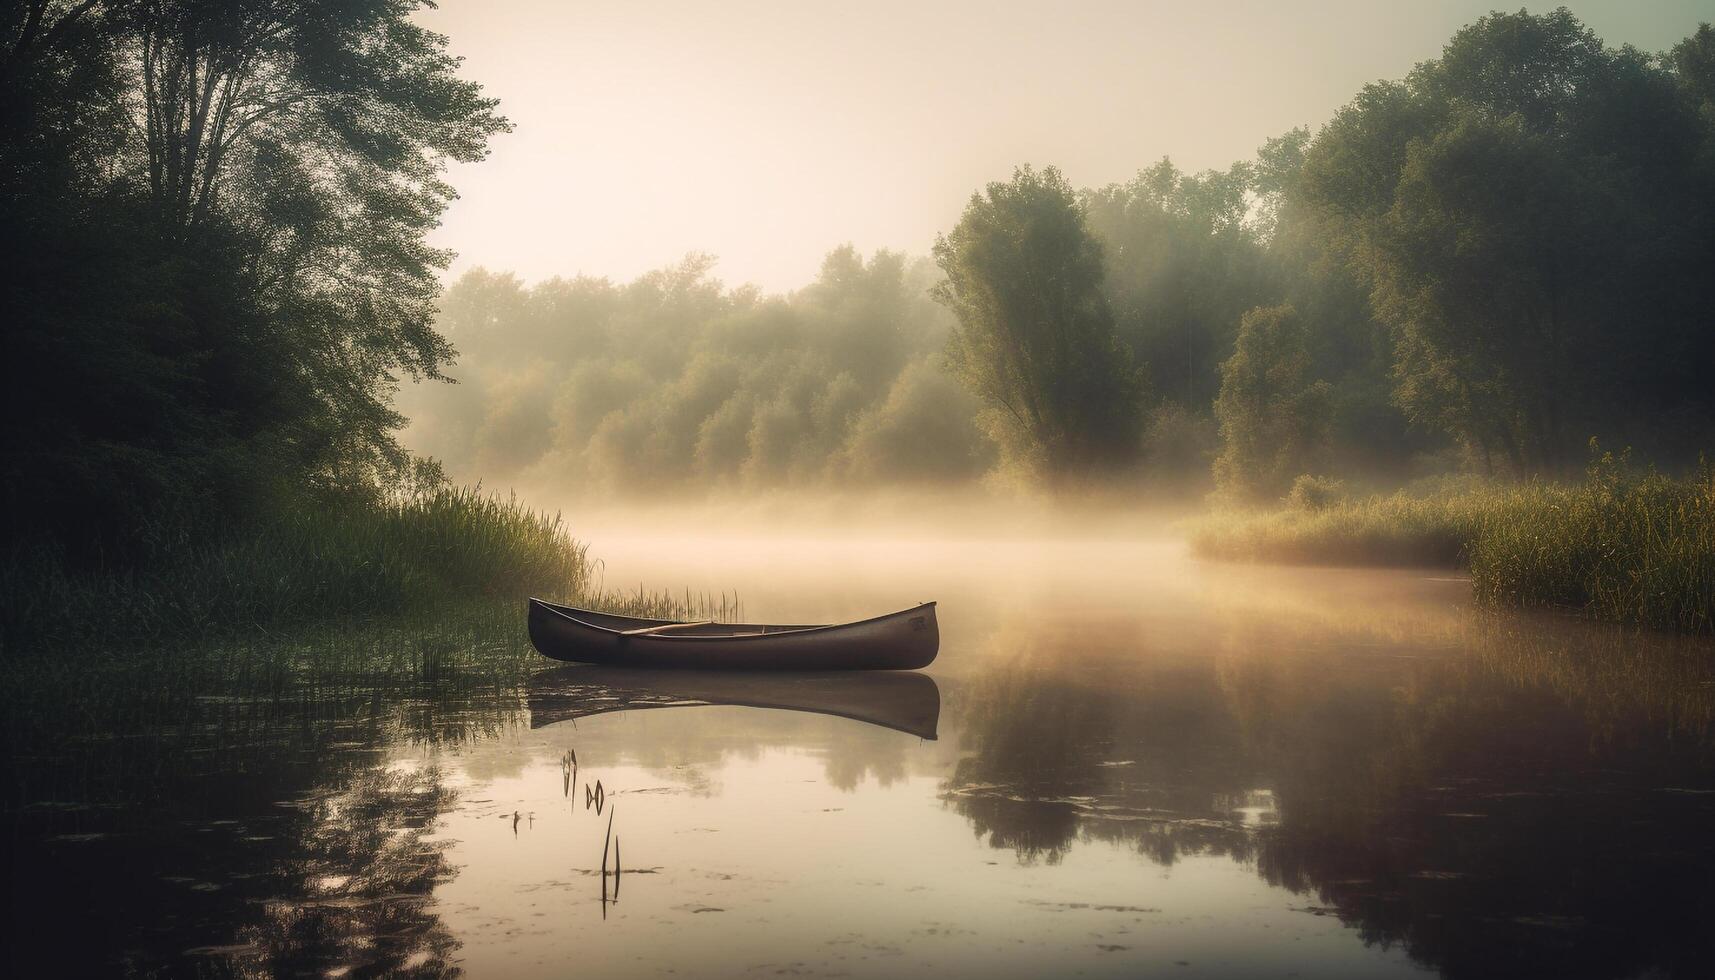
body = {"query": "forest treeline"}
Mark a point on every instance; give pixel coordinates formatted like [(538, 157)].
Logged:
[(214, 226), (1477, 268), (641, 387)]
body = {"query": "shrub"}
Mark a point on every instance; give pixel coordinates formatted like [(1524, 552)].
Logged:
[(1313, 493)]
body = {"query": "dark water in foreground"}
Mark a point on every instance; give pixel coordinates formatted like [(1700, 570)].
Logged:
[(1143, 766)]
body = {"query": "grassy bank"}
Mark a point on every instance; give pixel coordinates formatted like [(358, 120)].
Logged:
[(340, 561), (1627, 548)]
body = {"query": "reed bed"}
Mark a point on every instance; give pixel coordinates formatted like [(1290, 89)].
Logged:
[(1634, 551), (343, 562), (1398, 529), (1631, 548)]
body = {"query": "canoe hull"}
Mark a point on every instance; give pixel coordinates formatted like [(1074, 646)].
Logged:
[(905, 640)]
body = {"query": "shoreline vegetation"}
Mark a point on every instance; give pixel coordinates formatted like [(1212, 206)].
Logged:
[(1636, 549), (355, 560)]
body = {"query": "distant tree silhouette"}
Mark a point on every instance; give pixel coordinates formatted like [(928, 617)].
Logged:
[(1035, 339)]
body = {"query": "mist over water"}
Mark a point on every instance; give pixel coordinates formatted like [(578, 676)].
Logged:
[(990, 562), (1143, 765)]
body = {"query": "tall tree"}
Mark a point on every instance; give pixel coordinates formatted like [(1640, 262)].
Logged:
[(1273, 414), (1529, 212), (1349, 346), (1035, 337), (316, 132), (217, 215), (1182, 265)]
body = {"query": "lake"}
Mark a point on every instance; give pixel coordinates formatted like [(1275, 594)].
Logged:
[(1124, 763)]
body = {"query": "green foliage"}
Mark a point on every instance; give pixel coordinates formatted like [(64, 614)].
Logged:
[(1035, 338), (215, 214), (353, 557), (1273, 416), (922, 432), (1384, 231), (675, 384), (1313, 256), (1693, 63), (1182, 260), (1178, 445), (1637, 548), (214, 226), (1632, 548), (1530, 216), (1492, 357)]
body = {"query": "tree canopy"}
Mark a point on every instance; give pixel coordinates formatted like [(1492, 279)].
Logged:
[(215, 218), (1035, 337), (1529, 213), (1182, 261)]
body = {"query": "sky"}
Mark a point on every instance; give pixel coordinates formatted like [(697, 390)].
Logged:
[(768, 133)]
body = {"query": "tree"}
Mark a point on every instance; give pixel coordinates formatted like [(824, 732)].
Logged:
[(1529, 213), (1182, 265), (217, 218), (315, 132), (1693, 64), (1035, 339), (1478, 264), (1273, 417), (1350, 347)]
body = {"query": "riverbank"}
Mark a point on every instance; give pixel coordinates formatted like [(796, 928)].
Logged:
[(1633, 549), (339, 561)]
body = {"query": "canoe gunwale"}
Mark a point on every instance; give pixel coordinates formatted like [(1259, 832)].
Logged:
[(770, 630)]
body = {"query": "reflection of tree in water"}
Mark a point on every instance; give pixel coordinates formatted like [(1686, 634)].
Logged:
[(359, 885), (239, 822), (862, 752), (1521, 808), (690, 746), (1538, 802), (1036, 748), (1058, 753)]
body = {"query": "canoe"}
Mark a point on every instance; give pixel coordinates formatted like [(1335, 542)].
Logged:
[(899, 700), (904, 640)]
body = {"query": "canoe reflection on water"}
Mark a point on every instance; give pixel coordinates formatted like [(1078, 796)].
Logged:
[(903, 701)]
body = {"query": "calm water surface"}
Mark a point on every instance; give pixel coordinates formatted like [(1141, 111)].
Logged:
[(1124, 763)]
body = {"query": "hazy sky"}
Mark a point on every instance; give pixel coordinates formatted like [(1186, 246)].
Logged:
[(769, 132)]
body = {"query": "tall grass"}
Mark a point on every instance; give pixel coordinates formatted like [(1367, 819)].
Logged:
[(352, 559), (1399, 529), (1638, 551), (1635, 549)]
